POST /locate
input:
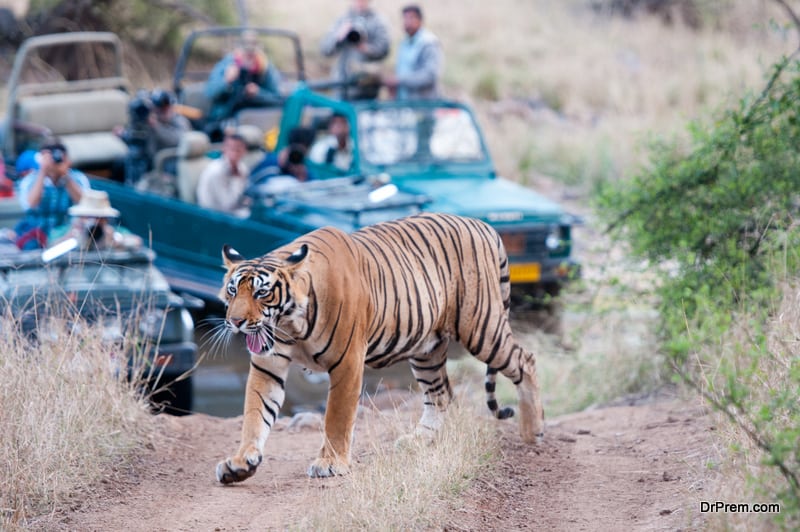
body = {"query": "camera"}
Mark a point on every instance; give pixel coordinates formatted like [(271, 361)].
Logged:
[(247, 76), (297, 153), (357, 32), (161, 98), (139, 109), (58, 155)]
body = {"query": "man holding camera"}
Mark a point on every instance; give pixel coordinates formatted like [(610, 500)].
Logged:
[(153, 125), (167, 125), (47, 194), (360, 37), (290, 161), (243, 78)]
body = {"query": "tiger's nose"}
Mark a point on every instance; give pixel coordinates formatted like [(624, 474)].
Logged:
[(236, 322)]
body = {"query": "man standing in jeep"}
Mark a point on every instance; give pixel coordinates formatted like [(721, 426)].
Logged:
[(419, 60), (361, 39)]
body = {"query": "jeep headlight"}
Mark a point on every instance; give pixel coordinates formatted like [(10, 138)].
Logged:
[(553, 239), (167, 326), (152, 324), (112, 332)]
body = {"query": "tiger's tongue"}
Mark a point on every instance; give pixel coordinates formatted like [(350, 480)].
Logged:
[(255, 343)]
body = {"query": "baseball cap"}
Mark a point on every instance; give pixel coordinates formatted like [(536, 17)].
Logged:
[(26, 162)]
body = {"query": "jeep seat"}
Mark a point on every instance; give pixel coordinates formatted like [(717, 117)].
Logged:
[(192, 160), (83, 121)]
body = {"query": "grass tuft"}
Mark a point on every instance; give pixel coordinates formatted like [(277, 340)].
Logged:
[(414, 485), (68, 418)]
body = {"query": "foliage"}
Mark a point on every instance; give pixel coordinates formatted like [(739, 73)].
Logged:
[(719, 218), (153, 25)]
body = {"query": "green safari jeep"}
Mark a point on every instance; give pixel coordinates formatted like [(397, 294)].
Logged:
[(407, 157), (434, 149)]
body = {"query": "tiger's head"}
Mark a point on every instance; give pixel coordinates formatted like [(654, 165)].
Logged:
[(260, 298)]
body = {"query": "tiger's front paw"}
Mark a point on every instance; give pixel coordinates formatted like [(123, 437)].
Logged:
[(324, 467), (239, 467)]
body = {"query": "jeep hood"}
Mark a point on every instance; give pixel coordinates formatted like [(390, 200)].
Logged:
[(495, 200)]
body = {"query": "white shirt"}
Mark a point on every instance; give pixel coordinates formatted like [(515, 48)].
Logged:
[(219, 189), (342, 157)]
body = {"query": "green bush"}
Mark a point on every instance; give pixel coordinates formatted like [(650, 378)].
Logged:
[(719, 219)]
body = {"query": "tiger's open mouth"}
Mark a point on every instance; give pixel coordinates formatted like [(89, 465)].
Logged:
[(260, 341)]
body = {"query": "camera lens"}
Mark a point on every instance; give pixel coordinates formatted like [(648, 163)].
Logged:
[(353, 36), (58, 156), (296, 154)]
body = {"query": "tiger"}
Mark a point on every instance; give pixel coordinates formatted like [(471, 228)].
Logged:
[(398, 290)]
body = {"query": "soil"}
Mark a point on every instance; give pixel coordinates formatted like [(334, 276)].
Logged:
[(637, 465)]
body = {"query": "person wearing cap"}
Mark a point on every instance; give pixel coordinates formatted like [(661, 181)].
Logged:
[(336, 148), (92, 226), (47, 194), (243, 78), (360, 38), (166, 124)]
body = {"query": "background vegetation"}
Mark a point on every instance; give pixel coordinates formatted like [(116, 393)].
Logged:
[(717, 218)]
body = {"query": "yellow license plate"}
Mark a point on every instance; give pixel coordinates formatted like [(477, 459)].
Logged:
[(525, 273)]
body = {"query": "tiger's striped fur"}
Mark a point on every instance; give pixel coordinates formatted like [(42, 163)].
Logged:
[(393, 291)]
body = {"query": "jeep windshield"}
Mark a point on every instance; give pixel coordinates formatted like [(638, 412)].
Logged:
[(420, 135)]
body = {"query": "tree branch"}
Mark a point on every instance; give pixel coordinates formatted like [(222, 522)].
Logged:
[(760, 442)]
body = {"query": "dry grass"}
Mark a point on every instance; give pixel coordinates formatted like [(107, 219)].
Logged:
[(67, 419), (743, 475), (566, 91), (412, 485)]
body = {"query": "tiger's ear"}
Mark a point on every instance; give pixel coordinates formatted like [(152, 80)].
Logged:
[(298, 256), (230, 256)]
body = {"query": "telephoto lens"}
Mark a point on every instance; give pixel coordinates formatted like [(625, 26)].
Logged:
[(296, 154), (353, 36)]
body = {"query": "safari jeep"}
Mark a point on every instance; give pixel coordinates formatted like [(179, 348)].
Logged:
[(435, 149), (407, 157), (120, 292)]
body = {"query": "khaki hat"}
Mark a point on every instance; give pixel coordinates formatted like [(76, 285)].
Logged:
[(94, 204)]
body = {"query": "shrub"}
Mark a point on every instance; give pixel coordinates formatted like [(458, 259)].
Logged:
[(718, 219)]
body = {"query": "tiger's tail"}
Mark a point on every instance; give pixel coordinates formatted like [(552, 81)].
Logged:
[(491, 400), (505, 294)]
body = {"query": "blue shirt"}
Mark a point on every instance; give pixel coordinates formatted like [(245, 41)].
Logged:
[(419, 61), (52, 210)]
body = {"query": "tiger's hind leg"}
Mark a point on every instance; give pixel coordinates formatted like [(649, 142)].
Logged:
[(503, 354), (430, 370)]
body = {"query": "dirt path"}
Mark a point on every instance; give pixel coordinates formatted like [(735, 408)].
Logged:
[(615, 468)]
